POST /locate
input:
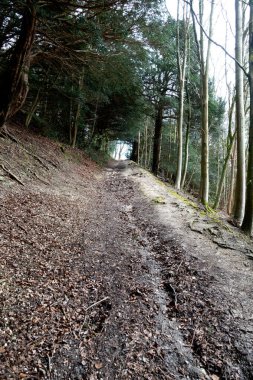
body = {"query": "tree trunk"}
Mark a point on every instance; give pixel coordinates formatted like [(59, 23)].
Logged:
[(71, 113), (204, 65), (248, 217), (78, 110), (157, 140), (186, 149), (121, 146), (146, 144), (181, 74), (205, 143), (32, 110), (14, 82), (240, 179), (229, 145), (231, 197), (139, 148), (204, 112), (135, 149), (223, 173)]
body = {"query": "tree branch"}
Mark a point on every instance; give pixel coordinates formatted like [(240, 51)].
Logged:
[(214, 42)]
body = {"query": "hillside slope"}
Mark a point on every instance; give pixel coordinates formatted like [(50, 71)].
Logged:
[(108, 274)]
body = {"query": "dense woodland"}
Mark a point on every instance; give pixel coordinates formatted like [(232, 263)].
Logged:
[(91, 73)]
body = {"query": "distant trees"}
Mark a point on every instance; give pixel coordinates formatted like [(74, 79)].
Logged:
[(159, 76), (173, 84)]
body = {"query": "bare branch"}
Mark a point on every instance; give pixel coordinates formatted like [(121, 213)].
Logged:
[(214, 42)]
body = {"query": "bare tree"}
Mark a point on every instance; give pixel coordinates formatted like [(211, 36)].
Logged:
[(204, 59), (240, 118), (247, 224), (181, 63)]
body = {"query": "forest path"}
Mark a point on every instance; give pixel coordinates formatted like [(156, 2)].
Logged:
[(103, 277), (206, 268)]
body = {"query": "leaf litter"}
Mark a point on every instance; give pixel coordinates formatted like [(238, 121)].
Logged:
[(91, 288)]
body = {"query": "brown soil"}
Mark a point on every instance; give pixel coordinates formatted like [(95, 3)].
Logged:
[(109, 274)]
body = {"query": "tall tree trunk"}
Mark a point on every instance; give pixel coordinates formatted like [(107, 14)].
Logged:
[(146, 144), (14, 83), (240, 179), (204, 142), (181, 65), (231, 197), (75, 124), (223, 173), (157, 140), (71, 106), (230, 144), (204, 109), (78, 110), (186, 148), (121, 146), (139, 148), (204, 58), (135, 149), (247, 224), (32, 110)]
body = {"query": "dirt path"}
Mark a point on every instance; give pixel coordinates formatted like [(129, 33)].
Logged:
[(208, 286), (99, 280)]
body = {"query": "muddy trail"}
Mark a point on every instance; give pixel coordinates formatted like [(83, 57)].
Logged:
[(109, 274)]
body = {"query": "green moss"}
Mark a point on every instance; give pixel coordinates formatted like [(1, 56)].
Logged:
[(207, 212), (159, 200)]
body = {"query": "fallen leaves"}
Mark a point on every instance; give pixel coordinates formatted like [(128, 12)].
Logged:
[(98, 365), (67, 288), (214, 377), (77, 296)]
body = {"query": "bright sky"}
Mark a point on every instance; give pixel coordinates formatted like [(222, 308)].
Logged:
[(223, 23)]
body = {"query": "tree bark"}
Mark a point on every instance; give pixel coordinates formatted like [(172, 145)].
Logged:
[(204, 65), (78, 110), (247, 224), (146, 144), (223, 173), (157, 140), (240, 119), (135, 149), (204, 112), (14, 82), (186, 149), (204, 143), (231, 197), (181, 74), (230, 143), (32, 110)]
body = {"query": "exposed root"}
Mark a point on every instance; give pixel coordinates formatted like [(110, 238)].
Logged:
[(6, 134), (11, 175)]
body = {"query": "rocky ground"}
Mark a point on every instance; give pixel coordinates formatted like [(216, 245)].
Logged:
[(110, 274)]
